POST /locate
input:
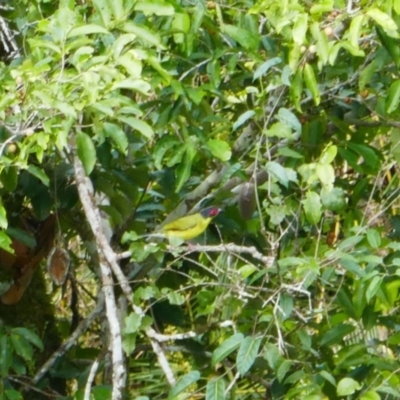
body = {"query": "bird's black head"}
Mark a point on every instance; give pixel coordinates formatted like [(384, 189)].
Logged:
[(210, 212)]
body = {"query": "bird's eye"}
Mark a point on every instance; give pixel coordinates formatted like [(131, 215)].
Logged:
[(213, 212)]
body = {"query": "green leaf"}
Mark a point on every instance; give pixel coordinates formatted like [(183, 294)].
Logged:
[(247, 354), (143, 127), (264, 67), (326, 174), (335, 334), (132, 323), (390, 44), (13, 395), (86, 151), (347, 386), (220, 149), (278, 172), (155, 7), (322, 42), (183, 383), (296, 90), (215, 389), (9, 178), (6, 355), (103, 9), (355, 30), (328, 154), (370, 395), (117, 135), (393, 97), (374, 238), (311, 83), (242, 36), (385, 21), (373, 287), (226, 348), (29, 336), (176, 298), (185, 167), (181, 23), (117, 8), (3, 217), (287, 117), (143, 33), (300, 29), (138, 85), (312, 207), (5, 242), (22, 347), (323, 6), (87, 30), (38, 173), (243, 118), (283, 369)]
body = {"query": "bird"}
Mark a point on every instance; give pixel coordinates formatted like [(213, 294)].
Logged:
[(191, 226)]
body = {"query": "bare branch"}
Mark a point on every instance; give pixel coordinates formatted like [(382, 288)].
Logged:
[(81, 328)]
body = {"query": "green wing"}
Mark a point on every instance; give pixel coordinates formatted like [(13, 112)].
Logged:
[(183, 224)]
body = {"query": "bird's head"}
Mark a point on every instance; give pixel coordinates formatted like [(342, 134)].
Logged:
[(210, 212)]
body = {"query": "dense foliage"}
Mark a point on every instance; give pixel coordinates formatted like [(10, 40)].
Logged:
[(284, 113)]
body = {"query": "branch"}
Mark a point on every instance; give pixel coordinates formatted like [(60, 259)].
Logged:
[(86, 194), (268, 261), (81, 328), (109, 261)]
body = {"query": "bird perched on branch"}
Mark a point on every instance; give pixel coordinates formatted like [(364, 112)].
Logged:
[(189, 227)]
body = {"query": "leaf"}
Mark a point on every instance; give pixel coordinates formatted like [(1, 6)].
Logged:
[(3, 217), (220, 149), (242, 36), (370, 395), (278, 172), (384, 20), (296, 90), (87, 30), (38, 173), (215, 389), (264, 67), (143, 33), (311, 83), (300, 29), (312, 207), (322, 42), (117, 135), (176, 298), (183, 383), (226, 348), (103, 9), (132, 323), (355, 30), (247, 354), (347, 386), (243, 118), (156, 7), (6, 355), (374, 238), (287, 117), (22, 347), (29, 336), (326, 174), (185, 167), (328, 154), (390, 44), (283, 369), (5, 242), (393, 97), (143, 127), (86, 151), (373, 287), (138, 85), (335, 334)]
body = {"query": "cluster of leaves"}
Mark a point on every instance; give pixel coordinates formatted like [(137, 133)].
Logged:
[(293, 108)]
